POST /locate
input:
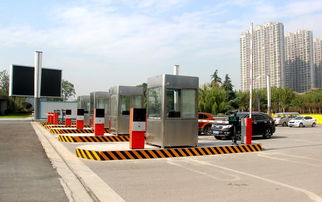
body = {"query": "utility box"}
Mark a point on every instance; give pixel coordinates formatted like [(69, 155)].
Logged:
[(137, 128), (172, 111), (100, 100), (83, 102), (122, 99)]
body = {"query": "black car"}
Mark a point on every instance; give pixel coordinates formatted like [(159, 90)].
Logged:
[(262, 125)]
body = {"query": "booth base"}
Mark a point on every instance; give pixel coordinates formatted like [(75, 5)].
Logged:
[(101, 153)]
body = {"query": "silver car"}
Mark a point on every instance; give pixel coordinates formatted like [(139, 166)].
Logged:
[(302, 121), (283, 118)]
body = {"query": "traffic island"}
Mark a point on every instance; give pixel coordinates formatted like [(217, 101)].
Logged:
[(91, 138), (74, 131), (103, 153)]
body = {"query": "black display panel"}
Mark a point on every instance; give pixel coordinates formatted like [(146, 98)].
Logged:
[(139, 115), (80, 112), (68, 112), (22, 81), (50, 83), (99, 113)]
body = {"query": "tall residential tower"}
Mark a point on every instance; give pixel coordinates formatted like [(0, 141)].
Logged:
[(299, 72), (268, 56), (317, 45)]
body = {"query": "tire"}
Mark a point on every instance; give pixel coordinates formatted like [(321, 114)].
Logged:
[(207, 130), (284, 124), (218, 137), (267, 133), (301, 125), (313, 124)]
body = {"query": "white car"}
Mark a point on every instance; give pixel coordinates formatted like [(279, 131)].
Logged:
[(302, 121)]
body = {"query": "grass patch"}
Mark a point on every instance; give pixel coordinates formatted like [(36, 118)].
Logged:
[(15, 116)]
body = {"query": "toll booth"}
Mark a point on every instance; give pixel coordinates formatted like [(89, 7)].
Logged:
[(100, 100), (83, 102), (122, 99), (172, 105)]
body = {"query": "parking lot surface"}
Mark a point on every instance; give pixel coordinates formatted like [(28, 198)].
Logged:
[(287, 170)]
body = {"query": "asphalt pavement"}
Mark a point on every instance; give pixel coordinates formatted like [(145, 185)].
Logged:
[(26, 174)]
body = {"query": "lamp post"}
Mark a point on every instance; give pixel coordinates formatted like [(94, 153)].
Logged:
[(251, 72)]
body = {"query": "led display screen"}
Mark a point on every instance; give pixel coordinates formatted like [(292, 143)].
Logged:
[(22, 81)]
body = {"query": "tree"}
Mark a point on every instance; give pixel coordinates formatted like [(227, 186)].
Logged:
[(228, 87), (68, 90), (215, 79), (212, 99), (4, 83)]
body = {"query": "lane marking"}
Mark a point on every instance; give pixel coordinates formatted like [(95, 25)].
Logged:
[(310, 194), (288, 160), (234, 177)]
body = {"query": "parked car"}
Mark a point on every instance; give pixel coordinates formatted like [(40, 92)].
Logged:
[(284, 117), (302, 121), (262, 125), (205, 120)]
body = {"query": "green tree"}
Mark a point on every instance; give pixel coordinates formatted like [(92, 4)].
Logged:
[(228, 87), (215, 79), (68, 90), (212, 99), (4, 83)]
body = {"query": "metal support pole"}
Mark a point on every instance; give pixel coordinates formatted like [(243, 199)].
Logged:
[(37, 83), (268, 86), (251, 72)]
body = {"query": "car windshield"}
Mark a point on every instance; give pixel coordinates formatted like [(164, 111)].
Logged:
[(298, 118)]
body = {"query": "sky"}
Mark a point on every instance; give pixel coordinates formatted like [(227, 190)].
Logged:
[(103, 43)]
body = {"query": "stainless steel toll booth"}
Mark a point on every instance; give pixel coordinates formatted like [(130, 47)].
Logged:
[(100, 100), (172, 111), (84, 103), (122, 99)]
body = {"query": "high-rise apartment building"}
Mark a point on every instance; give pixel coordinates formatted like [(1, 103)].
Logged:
[(317, 47), (299, 72), (268, 56)]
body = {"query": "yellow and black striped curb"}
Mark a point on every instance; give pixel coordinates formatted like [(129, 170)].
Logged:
[(71, 131), (164, 153), (67, 138)]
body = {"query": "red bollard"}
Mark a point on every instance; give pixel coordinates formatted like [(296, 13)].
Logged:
[(50, 118), (99, 122), (80, 119), (55, 118), (68, 117), (249, 130), (137, 128)]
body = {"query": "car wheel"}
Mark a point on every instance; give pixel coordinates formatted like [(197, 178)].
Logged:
[(267, 133), (284, 124), (207, 130), (218, 137), (313, 124), (301, 125)]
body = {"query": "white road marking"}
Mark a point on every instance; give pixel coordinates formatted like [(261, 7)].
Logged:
[(282, 159), (310, 194), (234, 177)]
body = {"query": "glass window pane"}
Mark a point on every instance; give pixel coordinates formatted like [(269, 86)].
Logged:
[(173, 103), (154, 102), (137, 101), (125, 104), (188, 103)]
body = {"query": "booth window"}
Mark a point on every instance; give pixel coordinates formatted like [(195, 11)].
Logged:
[(125, 104), (114, 109), (173, 97), (181, 103), (188, 103), (154, 102), (137, 101)]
